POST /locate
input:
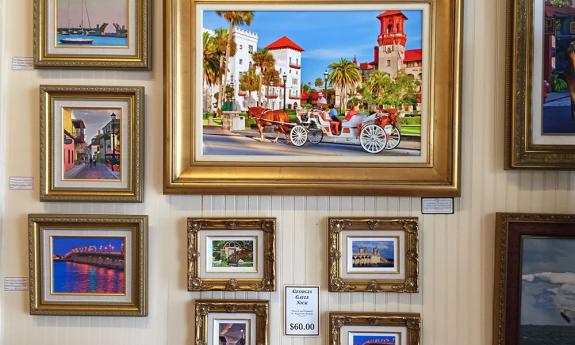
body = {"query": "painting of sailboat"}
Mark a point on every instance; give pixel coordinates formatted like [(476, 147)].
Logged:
[(92, 23)]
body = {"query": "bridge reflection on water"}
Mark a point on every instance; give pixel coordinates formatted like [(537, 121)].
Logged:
[(71, 277)]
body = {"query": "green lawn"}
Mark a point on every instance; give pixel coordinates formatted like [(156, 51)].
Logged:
[(410, 130)]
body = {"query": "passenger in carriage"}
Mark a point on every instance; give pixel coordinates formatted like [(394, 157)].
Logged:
[(335, 124), (354, 118)]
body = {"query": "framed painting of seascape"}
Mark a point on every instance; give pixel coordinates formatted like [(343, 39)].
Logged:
[(540, 111), (534, 279), (240, 322), (92, 143), (374, 329), (231, 254), (88, 265), (342, 103), (108, 34), (373, 255)]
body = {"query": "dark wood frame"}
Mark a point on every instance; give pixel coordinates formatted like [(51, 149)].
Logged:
[(511, 227)]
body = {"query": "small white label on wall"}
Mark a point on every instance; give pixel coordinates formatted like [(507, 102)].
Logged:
[(301, 311), (15, 284), (437, 206), (22, 63), (21, 183)]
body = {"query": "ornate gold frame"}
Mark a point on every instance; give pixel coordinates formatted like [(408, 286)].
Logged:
[(141, 60), (229, 225), (411, 321), (205, 307), (138, 225), (135, 189), (505, 312), (520, 152), (408, 225), (184, 174)]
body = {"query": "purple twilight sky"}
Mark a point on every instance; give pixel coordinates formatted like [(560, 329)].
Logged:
[(99, 11)]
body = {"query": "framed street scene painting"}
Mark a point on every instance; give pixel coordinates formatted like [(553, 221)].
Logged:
[(108, 34), (540, 112), (374, 328), (92, 142), (377, 255), (88, 265), (231, 254), (232, 322), (534, 279), (358, 98)]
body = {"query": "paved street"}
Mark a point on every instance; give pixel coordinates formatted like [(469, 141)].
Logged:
[(241, 145), (86, 172), (557, 114)]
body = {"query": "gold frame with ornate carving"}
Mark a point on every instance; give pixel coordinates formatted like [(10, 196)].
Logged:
[(520, 151), (438, 176), (137, 225), (267, 226), (134, 191), (378, 226), (205, 307), (510, 227), (411, 322), (140, 60)]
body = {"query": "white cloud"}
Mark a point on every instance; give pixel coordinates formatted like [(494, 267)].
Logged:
[(552, 278), (562, 294)]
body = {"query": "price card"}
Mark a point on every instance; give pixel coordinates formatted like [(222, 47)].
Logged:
[(301, 311)]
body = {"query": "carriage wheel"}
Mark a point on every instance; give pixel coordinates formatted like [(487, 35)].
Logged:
[(372, 138), (298, 135), (315, 135), (393, 137)]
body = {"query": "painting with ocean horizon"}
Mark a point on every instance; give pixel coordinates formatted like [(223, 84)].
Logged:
[(92, 23), (547, 291), (345, 85), (88, 265)]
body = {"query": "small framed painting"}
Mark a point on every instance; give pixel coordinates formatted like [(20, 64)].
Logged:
[(374, 328), (232, 254), (377, 255), (108, 34), (534, 279), (232, 322), (88, 265), (540, 95), (92, 141)]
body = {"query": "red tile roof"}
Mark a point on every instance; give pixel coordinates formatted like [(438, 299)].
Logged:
[(366, 65), (390, 13), (413, 55), (284, 42)]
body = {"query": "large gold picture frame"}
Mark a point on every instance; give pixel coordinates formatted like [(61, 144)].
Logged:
[(206, 307), (438, 176), (410, 322), (86, 56), (521, 152), (132, 140), (378, 227), (76, 303), (227, 227)]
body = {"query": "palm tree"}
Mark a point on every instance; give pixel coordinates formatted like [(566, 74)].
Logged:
[(250, 81), (234, 18), (271, 77), (265, 61), (344, 75), (318, 82), (211, 65), (219, 43), (378, 88)]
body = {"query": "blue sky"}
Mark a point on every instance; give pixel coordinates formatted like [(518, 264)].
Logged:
[(325, 36), (62, 245), (386, 247), (548, 280), (360, 339)]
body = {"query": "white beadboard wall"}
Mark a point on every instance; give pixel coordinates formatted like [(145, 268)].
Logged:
[(456, 250)]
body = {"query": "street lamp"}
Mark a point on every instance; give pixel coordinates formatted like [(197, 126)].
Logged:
[(325, 74), (113, 116), (284, 77)]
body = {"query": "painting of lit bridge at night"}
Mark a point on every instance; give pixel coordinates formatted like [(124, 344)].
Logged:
[(88, 265)]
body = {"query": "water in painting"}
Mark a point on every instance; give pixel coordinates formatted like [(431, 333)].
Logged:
[(91, 148), (548, 292), (233, 333), (336, 72), (373, 339), (88, 265), (559, 67), (92, 23)]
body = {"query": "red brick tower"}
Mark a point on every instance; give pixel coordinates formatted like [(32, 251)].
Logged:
[(391, 41)]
